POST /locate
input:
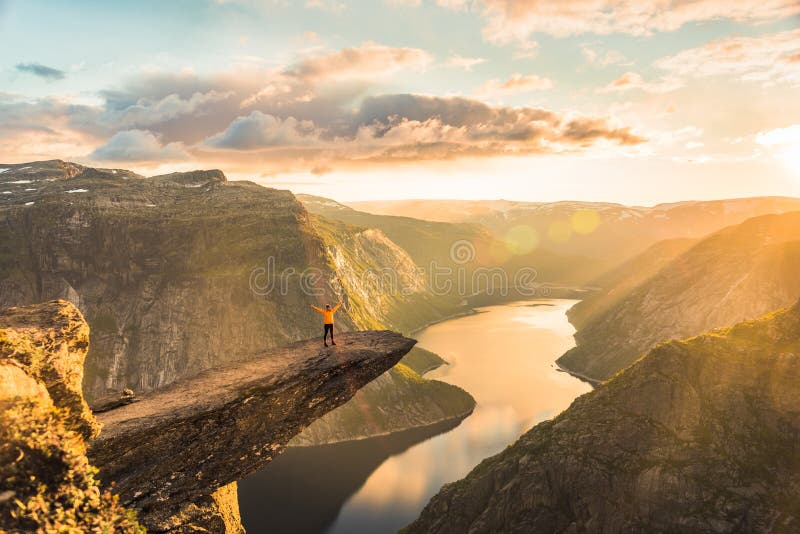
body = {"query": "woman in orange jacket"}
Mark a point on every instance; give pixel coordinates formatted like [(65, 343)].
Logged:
[(327, 316)]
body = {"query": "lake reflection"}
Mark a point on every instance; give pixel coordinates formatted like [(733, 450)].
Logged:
[(503, 356)]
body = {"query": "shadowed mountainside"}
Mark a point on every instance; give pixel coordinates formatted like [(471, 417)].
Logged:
[(698, 436), (394, 402)]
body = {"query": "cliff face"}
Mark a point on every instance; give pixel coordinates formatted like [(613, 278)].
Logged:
[(49, 342), (698, 436), (398, 400), (226, 423), (162, 268), (174, 454), (738, 273), (386, 288), (47, 482)]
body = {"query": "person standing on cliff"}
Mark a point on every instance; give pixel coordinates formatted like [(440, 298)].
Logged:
[(327, 316)]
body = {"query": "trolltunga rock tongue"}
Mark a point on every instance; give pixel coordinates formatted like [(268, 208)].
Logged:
[(184, 441)]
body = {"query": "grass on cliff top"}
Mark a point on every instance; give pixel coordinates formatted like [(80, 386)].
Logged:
[(48, 484)]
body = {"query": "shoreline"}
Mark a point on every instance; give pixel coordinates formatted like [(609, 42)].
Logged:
[(583, 378), (457, 419), (465, 313)]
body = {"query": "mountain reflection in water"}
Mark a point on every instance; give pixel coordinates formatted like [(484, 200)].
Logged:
[(503, 357)]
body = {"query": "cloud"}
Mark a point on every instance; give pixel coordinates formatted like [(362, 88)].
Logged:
[(515, 21), (788, 136), (633, 80), (326, 5), (603, 58), (416, 127), (461, 62), (517, 83), (784, 143), (139, 146), (321, 111), (363, 62), (259, 130), (767, 59), (42, 71), (147, 111)]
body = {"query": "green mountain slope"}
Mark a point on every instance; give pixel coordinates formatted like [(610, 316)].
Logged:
[(698, 436), (737, 273)]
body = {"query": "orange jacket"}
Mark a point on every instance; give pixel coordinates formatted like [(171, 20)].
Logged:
[(327, 315)]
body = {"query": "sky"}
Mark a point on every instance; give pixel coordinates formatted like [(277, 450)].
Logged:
[(611, 100)]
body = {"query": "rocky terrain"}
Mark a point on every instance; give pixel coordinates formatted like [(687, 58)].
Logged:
[(396, 401), (699, 436), (386, 288), (738, 273), (172, 455), (48, 484), (160, 267), (179, 273), (226, 423)]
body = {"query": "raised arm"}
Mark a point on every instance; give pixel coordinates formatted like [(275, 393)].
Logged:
[(337, 306), (316, 309)]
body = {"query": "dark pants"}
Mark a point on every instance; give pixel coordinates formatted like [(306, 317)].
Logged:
[(328, 328)]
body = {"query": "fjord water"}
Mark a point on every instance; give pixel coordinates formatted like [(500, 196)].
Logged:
[(504, 356)]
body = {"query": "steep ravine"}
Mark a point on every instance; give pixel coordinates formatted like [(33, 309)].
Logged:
[(701, 435)]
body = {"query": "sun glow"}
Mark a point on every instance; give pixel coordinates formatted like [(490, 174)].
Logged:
[(791, 157), (786, 142)]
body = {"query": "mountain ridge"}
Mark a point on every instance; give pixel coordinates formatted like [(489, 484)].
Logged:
[(737, 273), (698, 435)]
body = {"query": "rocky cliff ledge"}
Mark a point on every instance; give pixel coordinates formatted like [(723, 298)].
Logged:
[(179, 444)]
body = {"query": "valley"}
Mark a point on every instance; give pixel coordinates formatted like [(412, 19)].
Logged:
[(400, 266), (381, 484), (183, 278)]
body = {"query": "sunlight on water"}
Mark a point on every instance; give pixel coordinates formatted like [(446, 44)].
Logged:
[(504, 356)]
